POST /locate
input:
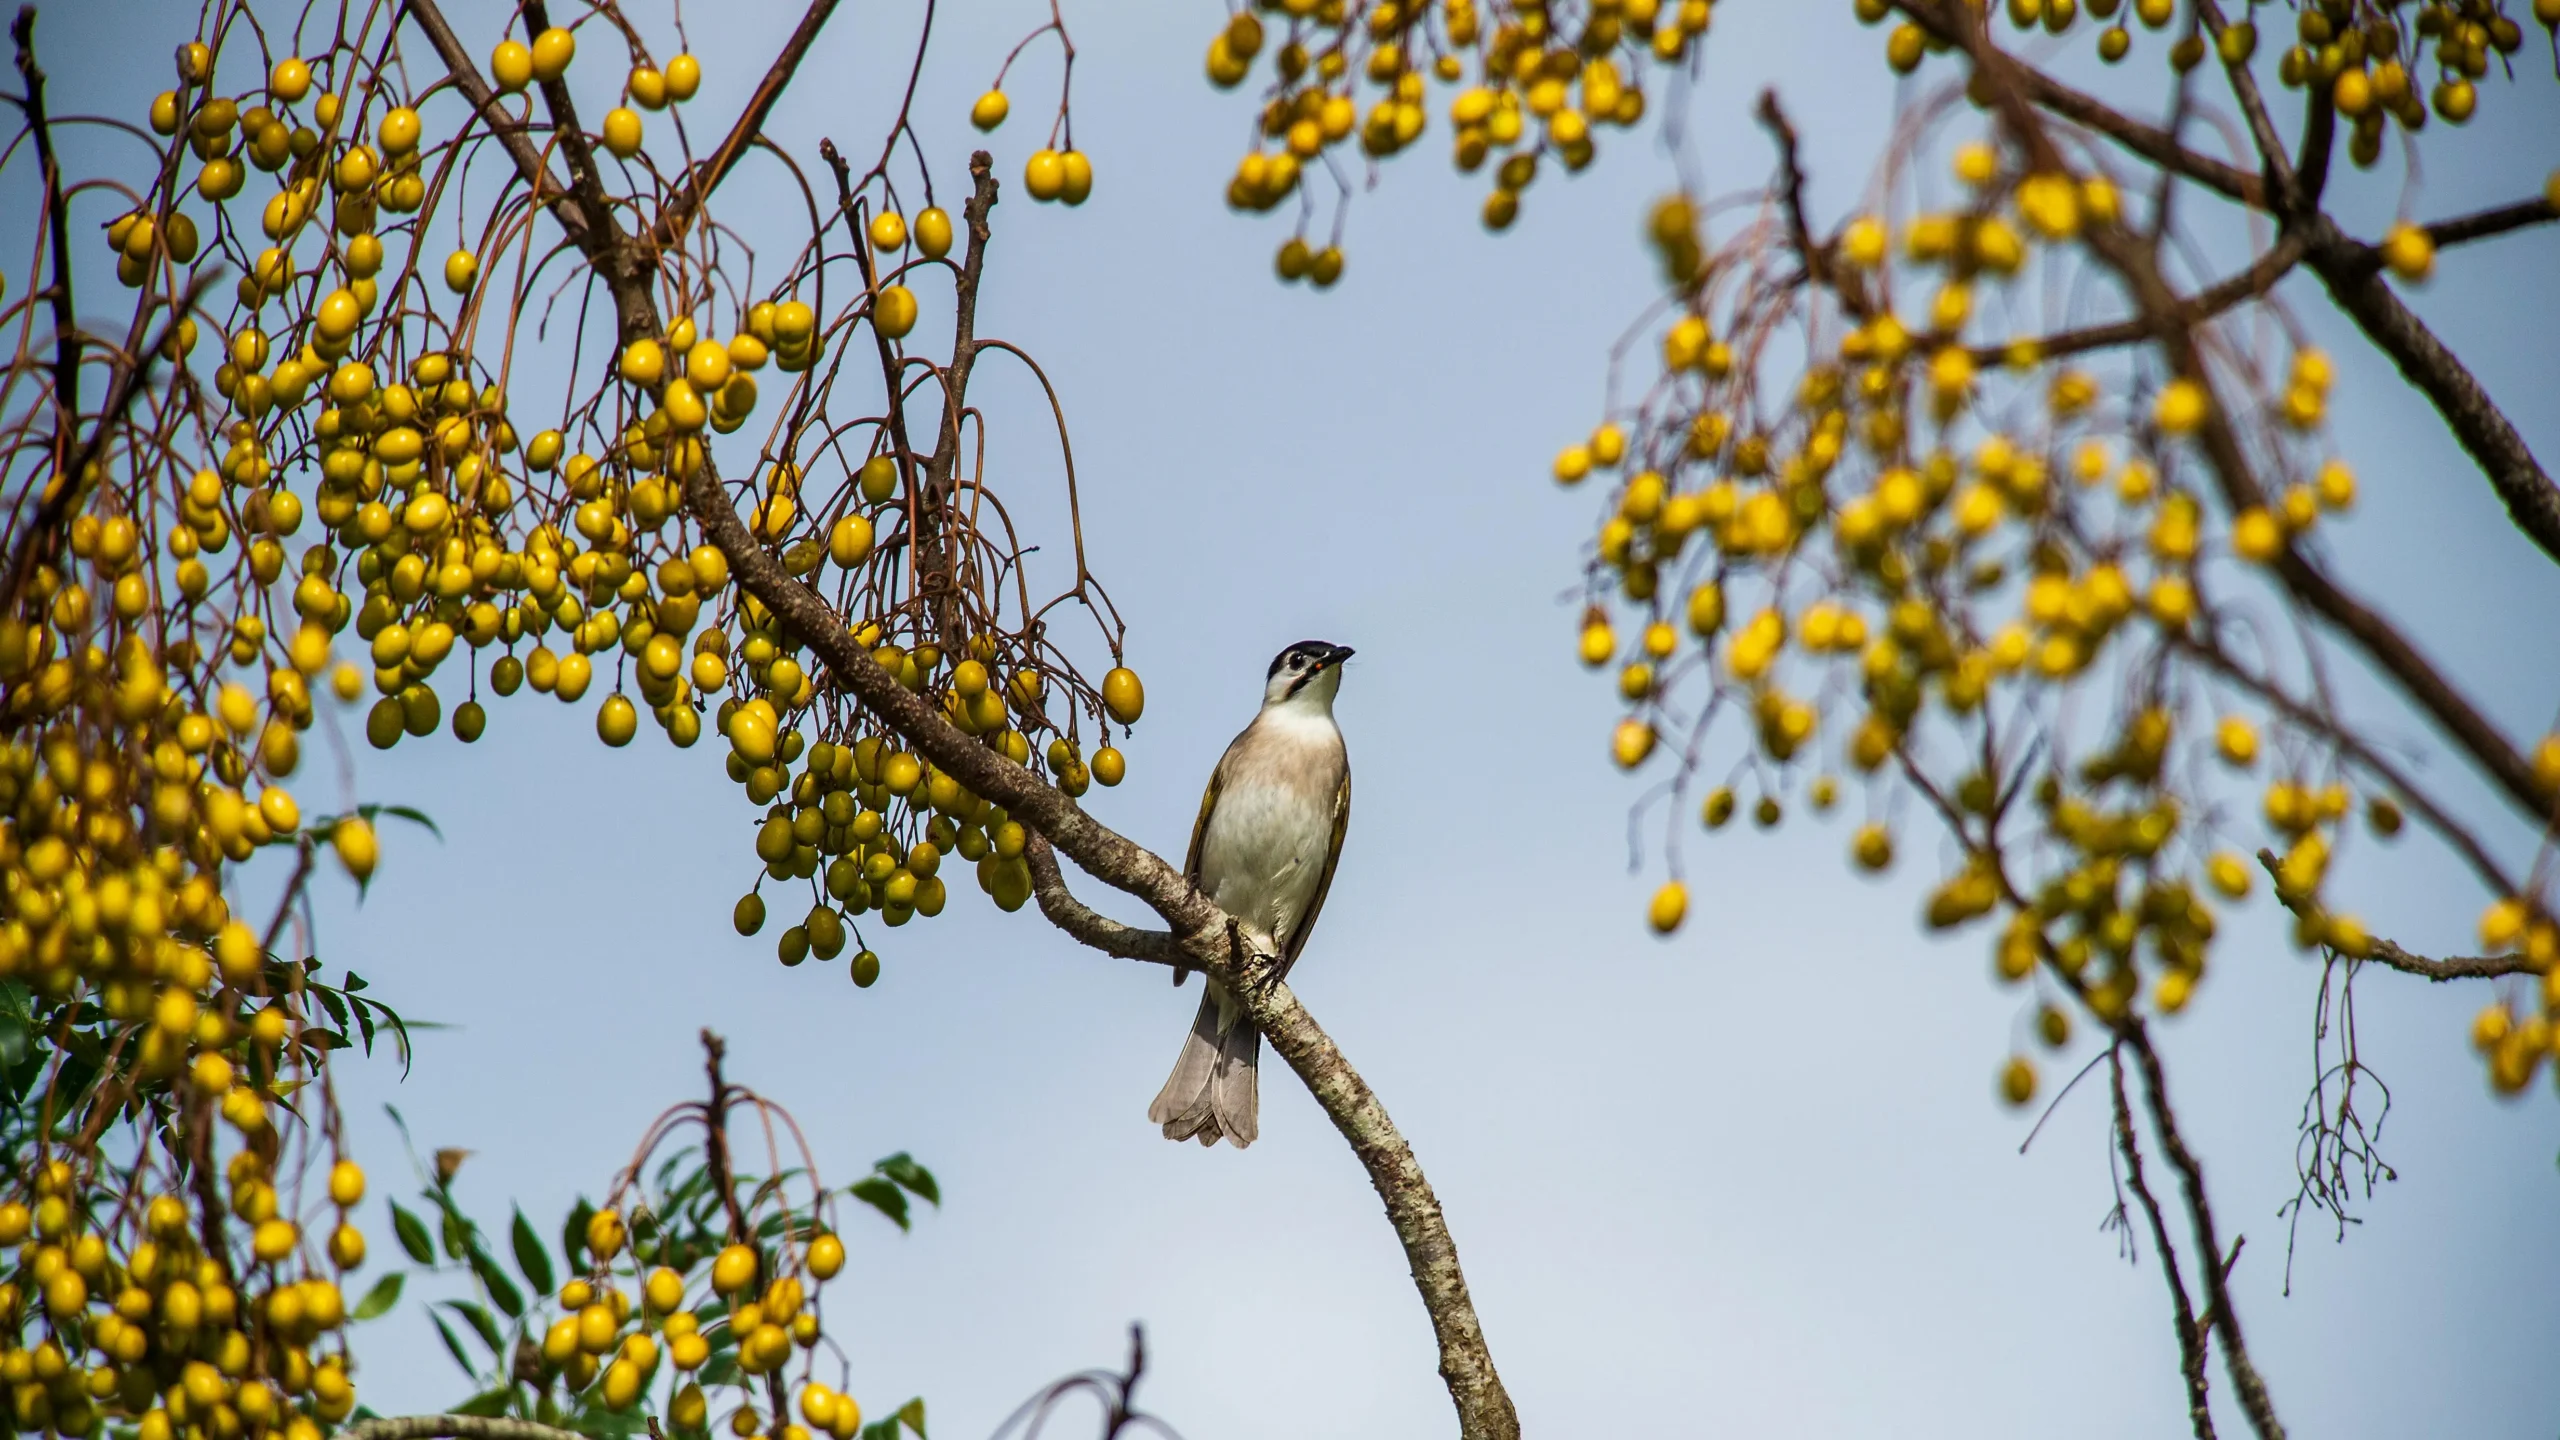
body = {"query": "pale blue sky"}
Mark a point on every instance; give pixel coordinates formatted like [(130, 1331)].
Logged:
[(1752, 1181)]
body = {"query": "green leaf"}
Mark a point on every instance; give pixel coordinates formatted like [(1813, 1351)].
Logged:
[(379, 1300), (902, 1168), (331, 1002), (488, 1403), (502, 1291), (913, 1413), (573, 1234), (880, 1194), (881, 1429), (404, 812), (413, 1235), (719, 1370), (482, 1322), (460, 1356), (530, 1257)]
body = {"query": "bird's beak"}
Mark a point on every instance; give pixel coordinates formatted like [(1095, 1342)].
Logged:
[(1340, 654)]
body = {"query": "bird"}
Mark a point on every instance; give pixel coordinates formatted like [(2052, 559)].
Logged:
[(1264, 848)]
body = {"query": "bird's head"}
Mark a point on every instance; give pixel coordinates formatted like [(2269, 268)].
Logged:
[(1307, 673)]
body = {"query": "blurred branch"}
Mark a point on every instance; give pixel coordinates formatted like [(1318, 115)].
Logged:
[(2450, 830), (57, 209), (2251, 284), (453, 1427), (2191, 1338), (1817, 257), (2391, 956), (70, 484), (715, 1136), (2355, 283), (2484, 224), (2212, 1266)]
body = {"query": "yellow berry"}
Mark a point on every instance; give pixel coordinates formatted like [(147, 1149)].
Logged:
[(511, 65), (1670, 906), (2409, 252), (553, 49), (888, 231), (1124, 695), (622, 131), (826, 1256), (684, 76), (933, 233), (990, 110), (460, 269), (1045, 174), (2182, 407), (357, 847), (2018, 1080)]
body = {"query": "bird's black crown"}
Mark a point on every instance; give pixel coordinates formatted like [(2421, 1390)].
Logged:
[(1308, 655)]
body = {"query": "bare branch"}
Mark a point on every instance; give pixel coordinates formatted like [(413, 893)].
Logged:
[(706, 175), (2220, 1313), (1088, 927), (453, 1427), (466, 76), (2391, 956), (2355, 282), (2182, 1310)]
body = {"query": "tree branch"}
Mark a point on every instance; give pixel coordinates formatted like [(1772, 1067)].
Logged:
[(2208, 304), (466, 76), (706, 175), (1088, 927), (625, 268), (2390, 956), (2219, 1310), (2191, 1338), (66, 328), (453, 1427), (1946, 22), (2356, 284)]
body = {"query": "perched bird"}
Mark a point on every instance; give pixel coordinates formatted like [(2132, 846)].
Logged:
[(1269, 832)]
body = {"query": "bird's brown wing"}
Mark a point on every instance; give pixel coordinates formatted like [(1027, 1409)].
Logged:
[(1200, 836), (1332, 856)]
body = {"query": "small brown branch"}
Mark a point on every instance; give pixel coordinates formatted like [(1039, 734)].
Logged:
[(2220, 1313), (1088, 927), (1816, 257), (2390, 956), (715, 1136), (2483, 430), (706, 175), (66, 329), (453, 1427), (2420, 803), (625, 268), (1948, 21), (2484, 224), (69, 487), (2276, 174), (2191, 1338), (466, 76), (2205, 305)]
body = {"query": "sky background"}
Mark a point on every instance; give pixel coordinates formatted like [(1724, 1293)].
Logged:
[(1751, 1181)]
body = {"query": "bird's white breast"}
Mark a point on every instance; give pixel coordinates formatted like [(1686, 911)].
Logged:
[(1264, 852)]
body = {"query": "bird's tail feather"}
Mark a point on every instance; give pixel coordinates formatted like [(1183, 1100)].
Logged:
[(1214, 1091)]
